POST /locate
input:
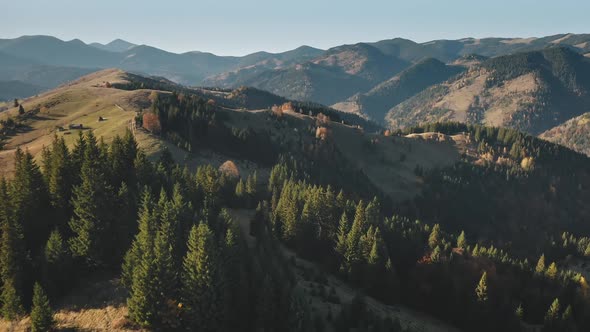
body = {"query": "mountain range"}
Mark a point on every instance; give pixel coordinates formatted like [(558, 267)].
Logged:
[(532, 84)]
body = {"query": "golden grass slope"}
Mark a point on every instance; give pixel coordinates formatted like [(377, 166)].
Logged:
[(574, 134), (81, 102)]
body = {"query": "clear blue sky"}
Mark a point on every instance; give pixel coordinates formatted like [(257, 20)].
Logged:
[(236, 27)]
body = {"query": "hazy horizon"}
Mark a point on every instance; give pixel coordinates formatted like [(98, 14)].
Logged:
[(237, 28)]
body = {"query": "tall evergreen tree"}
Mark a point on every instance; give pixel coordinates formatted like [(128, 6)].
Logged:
[(166, 271), (354, 253), (552, 316), (41, 313), (30, 201), (251, 185), (143, 239), (540, 268), (93, 204), (56, 264), (342, 240), (372, 212), (461, 241), (59, 174), (143, 299), (551, 272), (201, 291), (481, 291), (434, 237), (13, 257)]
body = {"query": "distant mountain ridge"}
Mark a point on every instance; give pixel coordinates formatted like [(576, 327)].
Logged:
[(531, 91), (305, 73), (117, 45)]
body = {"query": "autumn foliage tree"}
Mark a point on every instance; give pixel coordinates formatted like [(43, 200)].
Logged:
[(151, 123)]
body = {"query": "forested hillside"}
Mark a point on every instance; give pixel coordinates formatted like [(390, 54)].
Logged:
[(310, 222), (531, 91), (375, 103)]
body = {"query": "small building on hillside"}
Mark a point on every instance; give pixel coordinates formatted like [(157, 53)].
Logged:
[(76, 126)]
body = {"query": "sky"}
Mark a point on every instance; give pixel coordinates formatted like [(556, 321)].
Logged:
[(238, 27)]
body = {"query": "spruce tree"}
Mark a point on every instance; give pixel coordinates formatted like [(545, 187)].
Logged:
[(341, 242), (164, 246), (143, 239), (551, 272), (372, 212), (354, 252), (201, 291), (12, 307), (540, 268), (41, 313), (59, 174), (435, 255), (552, 314), (481, 291), (56, 263), (461, 241), (251, 184), (519, 312), (240, 190), (143, 299), (12, 260), (434, 238), (30, 201), (93, 204)]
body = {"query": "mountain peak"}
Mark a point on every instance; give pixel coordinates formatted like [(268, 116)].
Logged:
[(117, 45)]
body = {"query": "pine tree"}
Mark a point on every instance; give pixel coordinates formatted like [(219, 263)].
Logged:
[(240, 190), (251, 184), (59, 174), (434, 238), (551, 272), (461, 241), (12, 259), (354, 252), (372, 212), (288, 211), (143, 298), (552, 314), (567, 313), (93, 204), (435, 255), (201, 289), (12, 307), (481, 291), (30, 201), (341, 243), (143, 239), (519, 312), (540, 268), (41, 313), (164, 246), (56, 268)]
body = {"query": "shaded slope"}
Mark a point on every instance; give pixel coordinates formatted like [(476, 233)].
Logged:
[(375, 103)]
